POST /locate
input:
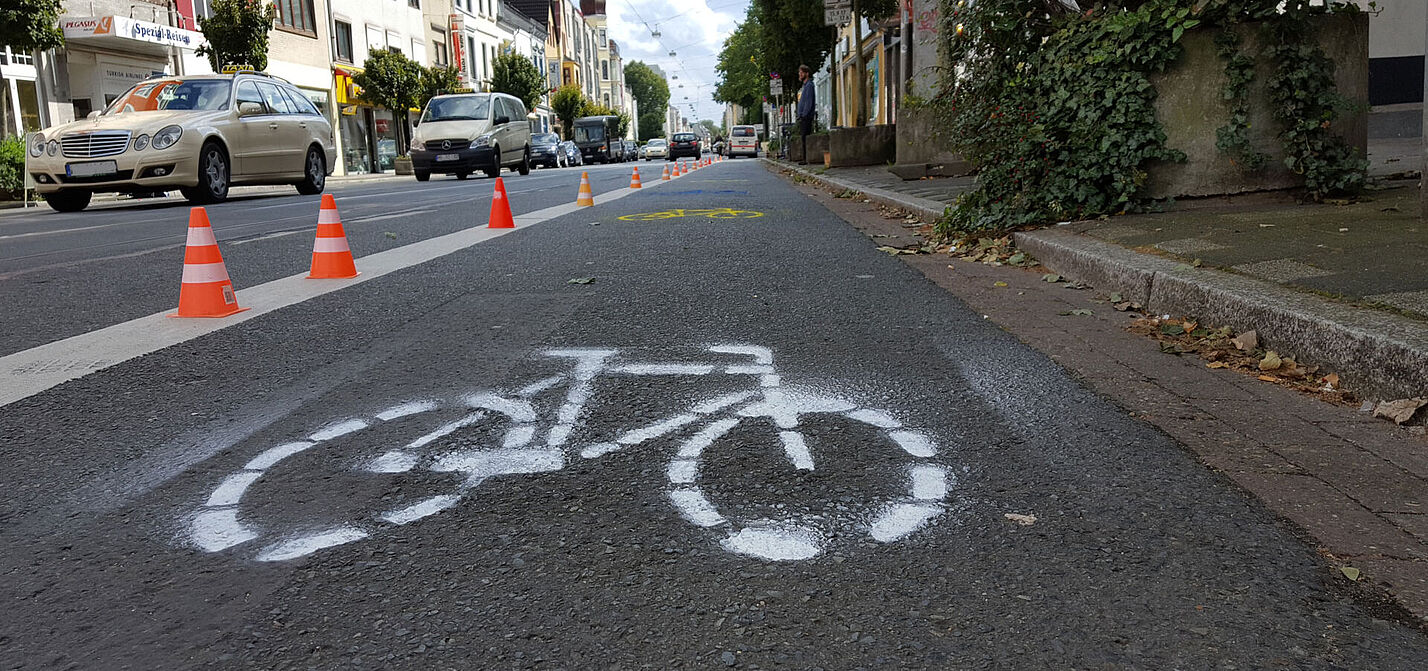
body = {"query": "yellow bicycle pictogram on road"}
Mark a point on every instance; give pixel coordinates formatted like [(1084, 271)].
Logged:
[(713, 213)]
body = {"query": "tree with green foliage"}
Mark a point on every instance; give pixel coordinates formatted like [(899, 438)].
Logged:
[(569, 104), (237, 33), (651, 92), (437, 80), (515, 74), (31, 25), (394, 82), (743, 79)]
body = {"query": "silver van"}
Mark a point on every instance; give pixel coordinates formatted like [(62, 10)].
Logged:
[(462, 133)]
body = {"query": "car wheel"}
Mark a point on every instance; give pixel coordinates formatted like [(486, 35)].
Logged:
[(525, 167), (314, 177), (69, 200), (421, 176), (213, 176), (495, 169)]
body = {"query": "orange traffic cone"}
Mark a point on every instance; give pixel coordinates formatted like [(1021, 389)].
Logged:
[(665, 177), (586, 198), (501, 208), (331, 257), (206, 289), (635, 179)]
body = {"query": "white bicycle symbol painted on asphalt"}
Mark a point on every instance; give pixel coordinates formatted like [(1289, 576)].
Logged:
[(218, 525)]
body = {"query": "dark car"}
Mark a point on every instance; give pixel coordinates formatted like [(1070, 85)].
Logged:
[(571, 154), (545, 150), (595, 135), (632, 151), (683, 144)]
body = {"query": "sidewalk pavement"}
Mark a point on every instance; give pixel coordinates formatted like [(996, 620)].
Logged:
[(1340, 285), (1356, 486)]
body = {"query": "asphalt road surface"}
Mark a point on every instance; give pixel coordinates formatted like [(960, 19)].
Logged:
[(734, 441)]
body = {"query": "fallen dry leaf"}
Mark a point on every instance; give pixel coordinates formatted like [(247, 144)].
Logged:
[(1024, 520), (1351, 573), (1217, 364), (1246, 341), (1271, 361), (999, 284), (1401, 410), (1331, 380), (1268, 378)]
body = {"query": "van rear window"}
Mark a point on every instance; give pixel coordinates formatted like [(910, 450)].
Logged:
[(743, 132)]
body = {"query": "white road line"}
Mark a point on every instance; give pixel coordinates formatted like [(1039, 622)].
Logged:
[(269, 236), (34, 370), (393, 215)]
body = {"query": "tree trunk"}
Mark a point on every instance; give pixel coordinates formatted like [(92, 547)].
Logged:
[(1423, 168), (860, 82)]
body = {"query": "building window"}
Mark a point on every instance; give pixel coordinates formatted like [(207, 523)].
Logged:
[(471, 56), (603, 41), (604, 69), (296, 16), (440, 53), (342, 33)]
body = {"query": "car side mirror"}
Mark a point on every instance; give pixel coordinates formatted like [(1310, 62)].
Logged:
[(500, 120), (92, 115), (250, 108), (416, 122)]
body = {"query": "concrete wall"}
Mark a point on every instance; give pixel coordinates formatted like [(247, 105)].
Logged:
[(866, 145), (1190, 108), (817, 144), (918, 140)]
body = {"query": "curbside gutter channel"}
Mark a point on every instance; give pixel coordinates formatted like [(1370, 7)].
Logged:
[(1380, 355)]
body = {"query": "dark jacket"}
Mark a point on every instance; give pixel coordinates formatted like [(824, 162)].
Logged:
[(805, 100)]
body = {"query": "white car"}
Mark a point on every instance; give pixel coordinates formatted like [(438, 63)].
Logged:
[(743, 141), (199, 134), (656, 148), (462, 133)]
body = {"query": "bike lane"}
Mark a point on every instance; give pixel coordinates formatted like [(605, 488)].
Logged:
[(1137, 556)]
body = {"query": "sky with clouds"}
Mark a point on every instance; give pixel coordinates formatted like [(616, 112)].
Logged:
[(693, 29)]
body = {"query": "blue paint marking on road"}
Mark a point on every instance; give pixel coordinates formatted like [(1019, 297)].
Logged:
[(706, 192)]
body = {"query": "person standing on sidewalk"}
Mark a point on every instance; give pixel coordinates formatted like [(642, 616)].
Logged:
[(805, 108)]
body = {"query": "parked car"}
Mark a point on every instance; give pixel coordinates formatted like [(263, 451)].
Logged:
[(199, 134), (571, 154), (743, 141), (656, 148), (632, 151), (595, 135), (461, 133), (545, 150), (683, 144)]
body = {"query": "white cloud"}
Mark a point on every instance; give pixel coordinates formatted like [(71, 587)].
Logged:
[(694, 29)]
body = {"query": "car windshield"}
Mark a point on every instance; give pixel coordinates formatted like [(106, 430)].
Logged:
[(544, 139), (174, 94), (656, 143), (589, 133), (458, 108)]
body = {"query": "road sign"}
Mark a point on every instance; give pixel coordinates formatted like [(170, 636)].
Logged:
[(775, 87), (837, 12)]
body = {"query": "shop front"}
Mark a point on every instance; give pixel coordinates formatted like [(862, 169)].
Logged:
[(107, 55), (367, 137), (19, 97)]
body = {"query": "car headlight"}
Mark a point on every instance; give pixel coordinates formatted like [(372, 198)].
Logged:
[(166, 137), (419, 145), (53, 148), (483, 141), (141, 142), (37, 145)]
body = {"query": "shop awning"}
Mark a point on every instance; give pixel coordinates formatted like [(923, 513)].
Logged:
[(126, 34)]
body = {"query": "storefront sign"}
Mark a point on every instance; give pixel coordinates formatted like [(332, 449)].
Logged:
[(125, 28), (837, 12)]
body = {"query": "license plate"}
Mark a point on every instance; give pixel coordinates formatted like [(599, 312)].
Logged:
[(92, 169), (448, 157)]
